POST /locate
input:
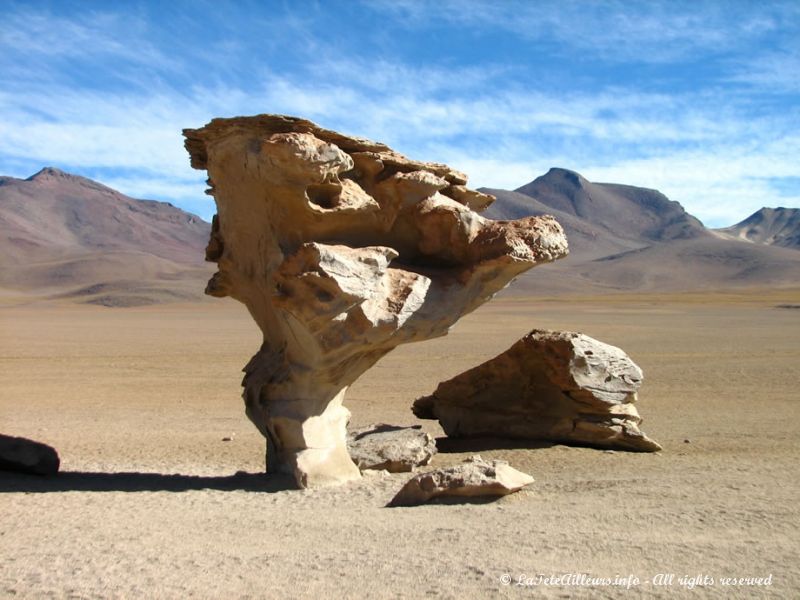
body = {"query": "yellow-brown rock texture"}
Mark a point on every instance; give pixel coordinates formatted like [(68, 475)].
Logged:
[(557, 386), (342, 249)]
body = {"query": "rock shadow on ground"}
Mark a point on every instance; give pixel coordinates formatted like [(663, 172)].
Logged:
[(79, 481)]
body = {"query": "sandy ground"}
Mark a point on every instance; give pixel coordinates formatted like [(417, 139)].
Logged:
[(149, 502)]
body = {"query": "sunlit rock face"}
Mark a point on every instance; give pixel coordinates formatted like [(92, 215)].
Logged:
[(342, 249), (556, 386)]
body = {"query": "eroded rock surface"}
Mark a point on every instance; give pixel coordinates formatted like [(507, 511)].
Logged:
[(342, 249), (556, 386), (27, 456), (475, 477), (395, 449)]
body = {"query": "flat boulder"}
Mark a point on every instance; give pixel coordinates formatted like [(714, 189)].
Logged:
[(475, 477), (395, 449), (557, 386), (27, 456)]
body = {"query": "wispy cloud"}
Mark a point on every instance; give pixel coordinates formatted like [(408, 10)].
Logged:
[(720, 185), (51, 45), (612, 30), (715, 145), (182, 192), (773, 71)]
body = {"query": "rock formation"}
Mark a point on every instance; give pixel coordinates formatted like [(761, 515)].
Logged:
[(475, 477), (342, 249), (395, 449), (555, 386), (27, 456)]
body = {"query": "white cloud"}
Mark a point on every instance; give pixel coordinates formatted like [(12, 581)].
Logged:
[(712, 149), (776, 71), (188, 194), (640, 32), (49, 44), (720, 185), (502, 140)]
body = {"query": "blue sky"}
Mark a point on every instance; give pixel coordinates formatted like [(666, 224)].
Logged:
[(700, 100)]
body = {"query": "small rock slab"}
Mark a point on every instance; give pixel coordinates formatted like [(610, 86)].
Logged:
[(475, 477), (27, 456), (395, 449)]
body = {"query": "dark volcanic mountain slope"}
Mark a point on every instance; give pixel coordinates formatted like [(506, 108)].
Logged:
[(626, 211), (586, 240), (627, 238), (64, 233), (771, 226), (54, 212)]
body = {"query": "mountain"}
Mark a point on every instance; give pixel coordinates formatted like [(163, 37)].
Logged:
[(600, 218), (624, 210), (68, 237), (586, 239), (771, 226), (625, 238), (62, 235)]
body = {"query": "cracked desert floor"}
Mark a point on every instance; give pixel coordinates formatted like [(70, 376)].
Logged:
[(160, 493)]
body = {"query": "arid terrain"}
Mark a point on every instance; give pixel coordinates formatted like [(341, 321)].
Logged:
[(152, 502), (108, 354), (64, 236), (255, 256)]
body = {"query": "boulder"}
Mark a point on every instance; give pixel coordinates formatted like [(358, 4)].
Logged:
[(395, 449), (343, 249), (557, 386), (475, 477), (27, 456)]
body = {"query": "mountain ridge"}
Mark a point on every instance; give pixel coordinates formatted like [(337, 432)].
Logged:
[(64, 236), (625, 238), (641, 212), (62, 233), (778, 226)]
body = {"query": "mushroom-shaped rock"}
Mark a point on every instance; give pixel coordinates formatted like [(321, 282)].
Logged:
[(342, 249), (474, 477), (556, 386)]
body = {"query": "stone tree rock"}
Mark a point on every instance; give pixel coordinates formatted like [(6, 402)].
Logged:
[(555, 386), (342, 249), (474, 477)]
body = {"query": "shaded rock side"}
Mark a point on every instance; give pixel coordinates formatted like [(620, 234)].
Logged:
[(343, 249), (475, 477), (557, 386), (27, 456), (395, 449)]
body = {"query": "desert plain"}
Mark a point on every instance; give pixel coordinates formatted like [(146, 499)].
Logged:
[(162, 493)]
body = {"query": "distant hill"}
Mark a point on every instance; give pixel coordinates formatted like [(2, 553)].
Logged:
[(68, 237), (625, 238), (626, 211), (586, 239), (62, 235), (771, 226)]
